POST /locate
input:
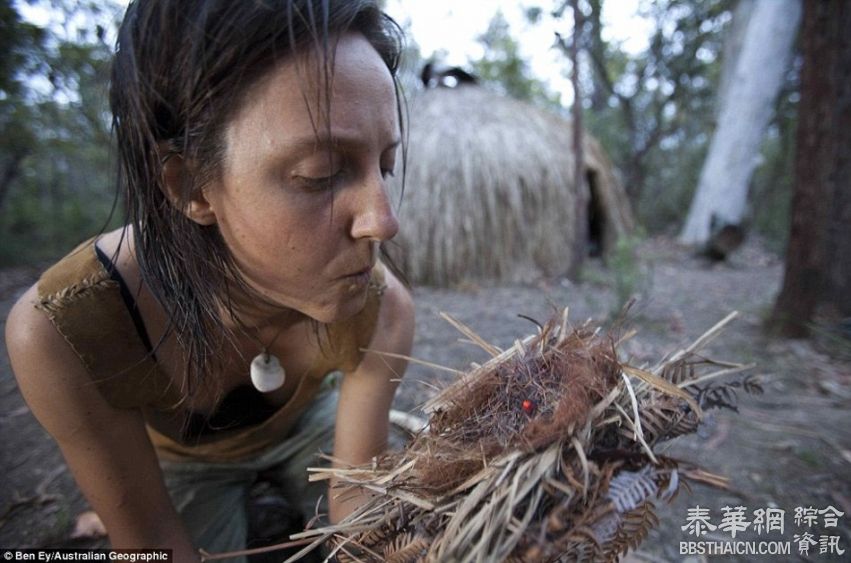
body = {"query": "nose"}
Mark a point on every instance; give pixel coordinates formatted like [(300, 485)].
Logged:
[(374, 218)]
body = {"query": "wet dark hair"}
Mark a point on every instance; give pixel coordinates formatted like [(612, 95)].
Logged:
[(180, 72)]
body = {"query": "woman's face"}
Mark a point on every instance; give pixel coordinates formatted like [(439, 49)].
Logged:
[(303, 213)]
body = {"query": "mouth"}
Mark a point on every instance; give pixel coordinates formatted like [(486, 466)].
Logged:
[(360, 277), (357, 279)]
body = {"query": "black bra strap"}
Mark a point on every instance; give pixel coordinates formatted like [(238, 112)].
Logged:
[(128, 300)]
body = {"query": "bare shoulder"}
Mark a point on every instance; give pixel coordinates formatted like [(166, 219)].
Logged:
[(28, 329), (50, 375), (35, 345), (29, 332)]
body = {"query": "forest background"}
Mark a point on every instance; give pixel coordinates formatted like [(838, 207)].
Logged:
[(654, 111)]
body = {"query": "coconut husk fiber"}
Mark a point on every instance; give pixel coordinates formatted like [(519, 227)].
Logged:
[(544, 453)]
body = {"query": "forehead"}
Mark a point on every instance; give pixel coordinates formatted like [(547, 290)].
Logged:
[(291, 104)]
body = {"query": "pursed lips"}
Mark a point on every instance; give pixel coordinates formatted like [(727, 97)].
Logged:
[(367, 269), (362, 272)]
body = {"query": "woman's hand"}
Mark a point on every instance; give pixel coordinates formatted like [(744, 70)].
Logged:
[(367, 393)]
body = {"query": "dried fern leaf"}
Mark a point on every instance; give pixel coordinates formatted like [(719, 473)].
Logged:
[(543, 453)]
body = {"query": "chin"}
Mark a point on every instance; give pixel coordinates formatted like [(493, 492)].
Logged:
[(346, 307)]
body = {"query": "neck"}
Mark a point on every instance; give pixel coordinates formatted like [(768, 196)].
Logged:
[(253, 312)]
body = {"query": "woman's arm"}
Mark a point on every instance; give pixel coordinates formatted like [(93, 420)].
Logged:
[(367, 393), (107, 449)]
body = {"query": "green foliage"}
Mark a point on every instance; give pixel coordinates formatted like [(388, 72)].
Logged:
[(772, 185), (658, 109), (674, 174), (659, 113), (630, 276), (626, 273), (20, 46), (504, 68), (810, 458), (833, 338), (652, 111), (56, 180)]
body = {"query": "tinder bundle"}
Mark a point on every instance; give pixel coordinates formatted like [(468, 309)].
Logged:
[(544, 453)]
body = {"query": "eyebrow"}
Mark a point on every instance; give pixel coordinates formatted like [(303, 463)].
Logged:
[(324, 141)]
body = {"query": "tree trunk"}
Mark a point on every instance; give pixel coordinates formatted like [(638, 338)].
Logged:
[(721, 197), (734, 43), (818, 261), (582, 196), (9, 174), (599, 95)]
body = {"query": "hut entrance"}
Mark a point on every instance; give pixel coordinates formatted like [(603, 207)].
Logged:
[(596, 216)]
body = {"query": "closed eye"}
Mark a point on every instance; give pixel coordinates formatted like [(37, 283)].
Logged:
[(320, 182)]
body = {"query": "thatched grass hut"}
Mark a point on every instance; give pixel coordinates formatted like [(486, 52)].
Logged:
[(490, 192)]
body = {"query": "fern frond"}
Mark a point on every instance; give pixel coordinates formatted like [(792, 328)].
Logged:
[(405, 548), (629, 489), (636, 526)]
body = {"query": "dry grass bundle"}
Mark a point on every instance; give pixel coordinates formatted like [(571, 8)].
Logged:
[(544, 453), (490, 191)]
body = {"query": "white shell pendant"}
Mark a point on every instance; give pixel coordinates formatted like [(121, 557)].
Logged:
[(266, 373)]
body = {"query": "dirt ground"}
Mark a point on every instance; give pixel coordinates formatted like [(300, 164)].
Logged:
[(786, 449)]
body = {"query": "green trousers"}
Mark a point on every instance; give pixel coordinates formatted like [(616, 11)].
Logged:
[(211, 497)]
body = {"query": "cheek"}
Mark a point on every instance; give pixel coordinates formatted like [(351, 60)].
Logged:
[(296, 235), (270, 228)]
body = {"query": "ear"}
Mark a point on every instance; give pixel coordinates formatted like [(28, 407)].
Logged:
[(176, 178)]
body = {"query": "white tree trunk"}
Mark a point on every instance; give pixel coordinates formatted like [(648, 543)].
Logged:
[(734, 40), (746, 108)]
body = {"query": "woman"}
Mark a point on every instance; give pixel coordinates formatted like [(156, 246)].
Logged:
[(177, 359)]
